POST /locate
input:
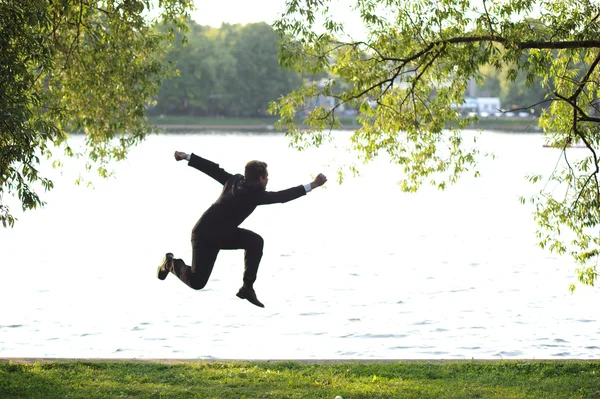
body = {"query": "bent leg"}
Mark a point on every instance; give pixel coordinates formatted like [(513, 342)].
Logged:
[(252, 244), (204, 256)]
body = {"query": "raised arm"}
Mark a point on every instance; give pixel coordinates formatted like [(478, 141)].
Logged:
[(273, 197), (204, 165)]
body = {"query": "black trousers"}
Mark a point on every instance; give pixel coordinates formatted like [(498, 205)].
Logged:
[(204, 255)]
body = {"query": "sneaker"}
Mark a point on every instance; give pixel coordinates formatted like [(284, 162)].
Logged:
[(250, 295), (165, 266)]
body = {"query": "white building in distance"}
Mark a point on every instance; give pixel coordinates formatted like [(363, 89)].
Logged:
[(488, 105)]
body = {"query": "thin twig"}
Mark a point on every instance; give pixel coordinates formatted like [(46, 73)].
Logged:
[(526, 108), (489, 20), (76, 38)]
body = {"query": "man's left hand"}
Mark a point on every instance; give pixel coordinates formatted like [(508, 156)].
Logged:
[(319, 180)]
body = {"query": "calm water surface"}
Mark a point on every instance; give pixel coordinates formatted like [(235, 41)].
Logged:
[(358, 271)]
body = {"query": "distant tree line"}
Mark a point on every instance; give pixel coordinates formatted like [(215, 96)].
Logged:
[(234, 71), (229, 71)]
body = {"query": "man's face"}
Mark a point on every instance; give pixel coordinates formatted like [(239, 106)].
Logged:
[(263, 180)]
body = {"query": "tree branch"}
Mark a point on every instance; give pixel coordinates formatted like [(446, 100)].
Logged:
[(582, 115), (586, 77), (550, 45), (589, 146), (530, 106), (530, 44), (355, 44), (587, 118), (488, 19), (76, 38)]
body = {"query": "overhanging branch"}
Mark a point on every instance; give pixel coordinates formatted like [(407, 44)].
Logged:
[(550, 45)]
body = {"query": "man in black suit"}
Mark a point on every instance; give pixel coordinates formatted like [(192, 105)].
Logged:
[(218, 227)]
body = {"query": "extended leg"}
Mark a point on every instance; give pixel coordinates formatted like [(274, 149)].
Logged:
[(253, 245), (204, 256)]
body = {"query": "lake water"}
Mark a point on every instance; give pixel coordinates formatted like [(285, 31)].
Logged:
[(352, 271)]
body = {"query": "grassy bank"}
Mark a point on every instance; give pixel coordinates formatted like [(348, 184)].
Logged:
[(173, 122), (403, 380)]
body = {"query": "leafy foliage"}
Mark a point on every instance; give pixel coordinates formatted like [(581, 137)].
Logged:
[(414, 62), (76, 66), (231, 71)]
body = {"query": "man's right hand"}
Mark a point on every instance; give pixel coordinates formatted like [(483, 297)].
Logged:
[(179, 156)]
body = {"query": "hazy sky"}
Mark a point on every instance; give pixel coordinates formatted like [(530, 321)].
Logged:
[(215, 12)]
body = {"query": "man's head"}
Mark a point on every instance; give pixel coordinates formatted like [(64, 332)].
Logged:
[(256, 173)]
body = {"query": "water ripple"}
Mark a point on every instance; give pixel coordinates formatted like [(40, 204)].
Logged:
[(422, 323), (87, 334), (508, 354), (375, 336), (413, 347)]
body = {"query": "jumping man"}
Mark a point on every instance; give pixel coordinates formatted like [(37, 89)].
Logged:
[(218, 227)]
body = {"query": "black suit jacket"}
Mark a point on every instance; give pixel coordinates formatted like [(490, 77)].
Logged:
[(236, 202)]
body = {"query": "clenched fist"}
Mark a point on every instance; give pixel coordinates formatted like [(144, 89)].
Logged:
[(180, 155), (319, 181)]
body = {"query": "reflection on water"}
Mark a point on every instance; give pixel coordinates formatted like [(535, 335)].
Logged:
[(353, 271)]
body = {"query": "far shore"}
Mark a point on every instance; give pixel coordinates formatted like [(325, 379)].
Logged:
[(171, 123), (216, 127), (525, 128)]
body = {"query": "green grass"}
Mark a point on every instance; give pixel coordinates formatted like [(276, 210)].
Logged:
[(352, 380)]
